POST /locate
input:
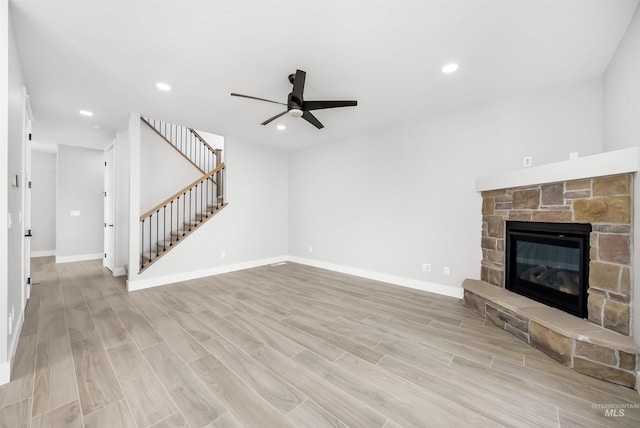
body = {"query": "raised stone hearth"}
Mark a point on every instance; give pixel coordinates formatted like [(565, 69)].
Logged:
[(575, 342), (605, 203)]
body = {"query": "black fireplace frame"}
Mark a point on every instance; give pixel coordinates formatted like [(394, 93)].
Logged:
[(572, 235)]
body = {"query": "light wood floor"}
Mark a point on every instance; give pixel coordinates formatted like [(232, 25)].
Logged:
[(283, 346)]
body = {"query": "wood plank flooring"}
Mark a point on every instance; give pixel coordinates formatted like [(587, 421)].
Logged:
[(280, 346)]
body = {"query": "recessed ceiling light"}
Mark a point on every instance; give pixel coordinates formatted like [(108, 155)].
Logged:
[(163, 86), (450, 68), (86, 113), (281, 127)]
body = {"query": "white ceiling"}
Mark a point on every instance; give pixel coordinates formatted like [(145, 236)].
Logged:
[(107, 55)]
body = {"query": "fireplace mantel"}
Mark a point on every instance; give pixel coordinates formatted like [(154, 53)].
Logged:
[(599, 165)]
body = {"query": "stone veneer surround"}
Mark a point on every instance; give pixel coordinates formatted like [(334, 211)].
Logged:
[(605, 202)]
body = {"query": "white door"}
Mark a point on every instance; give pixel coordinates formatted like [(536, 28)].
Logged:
[(109, 209), (26, 186)]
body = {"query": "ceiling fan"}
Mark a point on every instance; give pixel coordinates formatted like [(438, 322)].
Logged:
[(297, 106)]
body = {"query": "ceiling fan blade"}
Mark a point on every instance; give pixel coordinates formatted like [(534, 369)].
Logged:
[(298, 85), (233, 94), (271, 119), (312, 120), (318, 105)]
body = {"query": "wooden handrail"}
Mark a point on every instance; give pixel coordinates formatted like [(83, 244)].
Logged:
[(180, 192), (171, 144), (202, 140)]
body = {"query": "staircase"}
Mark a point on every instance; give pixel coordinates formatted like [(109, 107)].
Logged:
[(172, 220), (187, 142)]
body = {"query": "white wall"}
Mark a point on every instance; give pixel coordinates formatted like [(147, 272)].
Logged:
[(622, 91), (252, 229), (80, 188), (43, 203), (4, 171), (388, 201), (163, 170), (622, 128), (11, 198), (121, 221)]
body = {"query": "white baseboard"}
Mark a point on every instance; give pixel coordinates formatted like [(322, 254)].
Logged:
[(141, 284), (79, 258), (119, 271), (5, 368), (43, 253), (446, 290)]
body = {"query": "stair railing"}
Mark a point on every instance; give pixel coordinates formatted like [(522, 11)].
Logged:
[(187, 142), (172, 220)]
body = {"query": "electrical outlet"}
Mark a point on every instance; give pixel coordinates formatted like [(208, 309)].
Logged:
[(573, 155), (446, 270), (311, 249), (10, 325), (426, 267), (223, 254), (527, 161)]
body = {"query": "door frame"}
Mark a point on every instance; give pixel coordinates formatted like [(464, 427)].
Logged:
[(109, 208), (27, 120)]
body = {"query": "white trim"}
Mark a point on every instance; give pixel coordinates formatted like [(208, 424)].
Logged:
[(43, 253), (446, 290), (109, 147), (5, 368), (79, 258), (608, 163), (119, 271), (27, 103), (141, 284)]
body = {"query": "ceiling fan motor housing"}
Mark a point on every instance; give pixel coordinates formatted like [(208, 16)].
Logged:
[(293, 102)]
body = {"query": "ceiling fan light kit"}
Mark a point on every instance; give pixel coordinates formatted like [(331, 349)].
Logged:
[(297, 106), (295, 112)]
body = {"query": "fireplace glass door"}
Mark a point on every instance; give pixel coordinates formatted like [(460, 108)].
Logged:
[(549, 262)]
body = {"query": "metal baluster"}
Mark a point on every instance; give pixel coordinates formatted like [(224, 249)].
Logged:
[(150, 224), (184, 212), (142, 245), (164, 228), (178, 219), (171, 226), (190, 213), (157, 231)]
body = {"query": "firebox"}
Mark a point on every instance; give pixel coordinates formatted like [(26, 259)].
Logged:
[(549, 263)]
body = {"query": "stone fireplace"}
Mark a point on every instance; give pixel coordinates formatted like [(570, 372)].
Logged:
[(605, 203), (595, 192)]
